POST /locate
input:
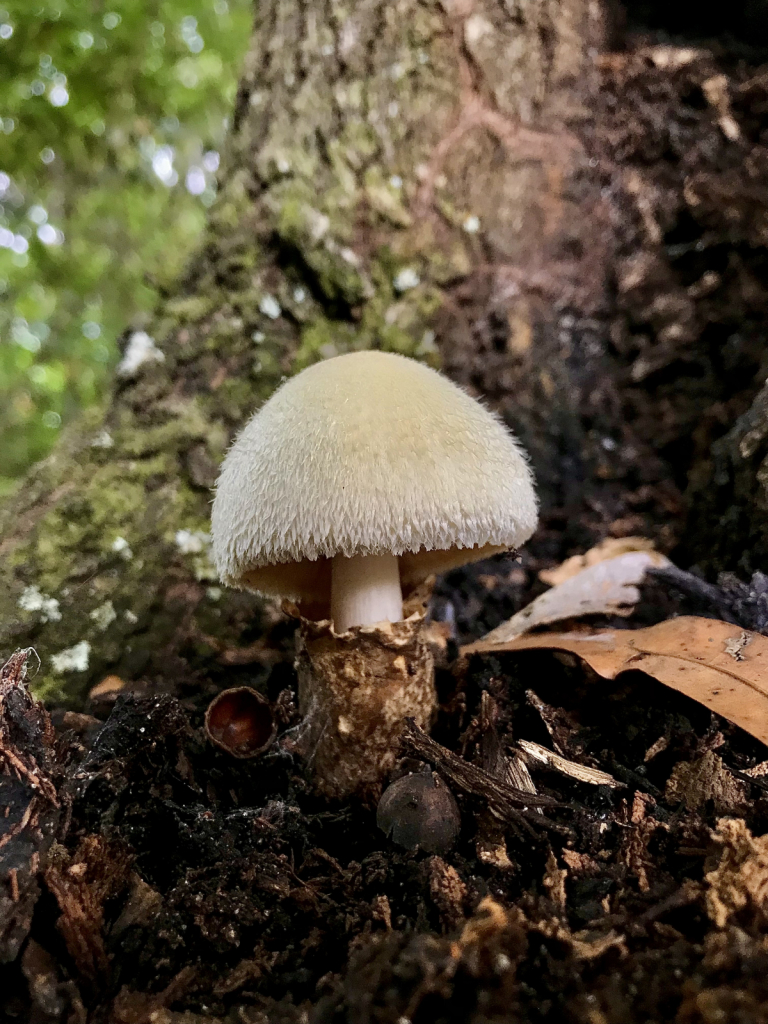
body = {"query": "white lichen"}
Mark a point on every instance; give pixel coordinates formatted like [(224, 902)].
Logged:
[(131, 617), (72, 659), (121, 547), (104, 615), (406, 279), (198, 544), (475, 28), (34, 600), (192, 542), (318, 223), (270, 307), (141, 348), (102, 440), (214, 593), (350, 256)]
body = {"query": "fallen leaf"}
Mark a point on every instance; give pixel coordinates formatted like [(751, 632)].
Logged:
[(608, 548), (689, 654), (609, 587)]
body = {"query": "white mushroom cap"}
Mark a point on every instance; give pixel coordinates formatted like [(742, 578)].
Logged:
[(367, 454)]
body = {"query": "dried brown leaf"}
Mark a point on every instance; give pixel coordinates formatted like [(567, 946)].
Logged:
[(689, 654), (607, 587), (608, 548)]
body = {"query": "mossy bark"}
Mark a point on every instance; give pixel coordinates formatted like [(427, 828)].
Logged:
[(374, 148), (470, 182)]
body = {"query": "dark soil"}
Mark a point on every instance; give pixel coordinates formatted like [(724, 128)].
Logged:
[(178, 878), (152, 877)]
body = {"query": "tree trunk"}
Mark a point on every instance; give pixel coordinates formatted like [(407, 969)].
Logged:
[(471, 182)]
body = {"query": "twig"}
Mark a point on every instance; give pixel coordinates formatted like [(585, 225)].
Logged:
[(693, 586), (580, 772), (509, 804)]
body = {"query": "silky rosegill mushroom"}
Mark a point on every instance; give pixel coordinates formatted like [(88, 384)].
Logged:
[(358, 479)]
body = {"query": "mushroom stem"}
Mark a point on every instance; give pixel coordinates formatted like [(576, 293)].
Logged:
[(365, 589)]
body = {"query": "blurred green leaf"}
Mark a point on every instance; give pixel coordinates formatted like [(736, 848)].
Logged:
[(111, 118)]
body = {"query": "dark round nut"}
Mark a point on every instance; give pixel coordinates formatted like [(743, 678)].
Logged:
[(420, 812), (241, 722)]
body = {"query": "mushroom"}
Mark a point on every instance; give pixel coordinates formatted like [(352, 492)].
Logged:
[(360, 477)]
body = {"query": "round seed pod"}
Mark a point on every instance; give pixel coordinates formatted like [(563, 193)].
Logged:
[(420, 812), (240, 721)]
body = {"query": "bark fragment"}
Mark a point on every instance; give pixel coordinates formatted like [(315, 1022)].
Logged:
[(29, 804)]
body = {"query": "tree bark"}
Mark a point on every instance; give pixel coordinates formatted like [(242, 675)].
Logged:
[(450, 180)]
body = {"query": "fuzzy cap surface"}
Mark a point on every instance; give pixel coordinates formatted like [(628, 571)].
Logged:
[(367, 453)]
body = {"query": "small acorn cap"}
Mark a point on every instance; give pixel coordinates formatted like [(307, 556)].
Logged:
[(367, 456), (240, 721)]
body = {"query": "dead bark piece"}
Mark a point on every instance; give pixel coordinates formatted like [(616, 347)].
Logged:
[(738, 886), (142, 905), (559, 724), (355, 691), (635, 852), (696, 782), (490, 844), (82, 882), (29, 805)]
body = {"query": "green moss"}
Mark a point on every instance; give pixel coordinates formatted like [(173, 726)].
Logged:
[(322, 338), (318, 195), (191, 309), (184, 422)]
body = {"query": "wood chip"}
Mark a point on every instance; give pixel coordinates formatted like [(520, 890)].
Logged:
[(741, 878), (695, 783), (535, 753)]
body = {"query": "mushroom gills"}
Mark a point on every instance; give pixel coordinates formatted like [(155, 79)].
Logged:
[(365, 589)]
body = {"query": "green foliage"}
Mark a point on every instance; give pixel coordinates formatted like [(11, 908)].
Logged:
[(111, 117)]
